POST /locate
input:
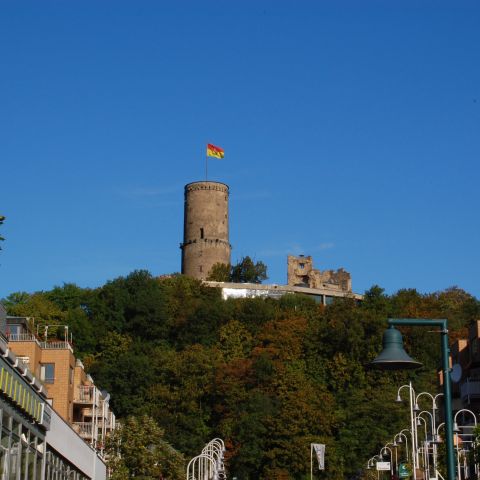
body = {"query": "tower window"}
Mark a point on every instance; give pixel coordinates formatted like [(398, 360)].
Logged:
[(200, 268), (301, 265), (201, 233)]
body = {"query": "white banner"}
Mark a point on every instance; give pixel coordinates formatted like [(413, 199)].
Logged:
[(320, 452), (383, 466)]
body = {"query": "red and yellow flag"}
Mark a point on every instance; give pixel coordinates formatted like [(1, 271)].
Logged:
[(213, 151)]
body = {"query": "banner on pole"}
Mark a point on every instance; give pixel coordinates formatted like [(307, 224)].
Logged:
[(320, 452)]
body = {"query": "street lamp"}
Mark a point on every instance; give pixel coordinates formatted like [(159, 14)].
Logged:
[(394, 357), (413, 429), (400, 441)]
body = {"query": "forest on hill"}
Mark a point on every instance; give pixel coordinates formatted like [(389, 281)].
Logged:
[(268, 376)]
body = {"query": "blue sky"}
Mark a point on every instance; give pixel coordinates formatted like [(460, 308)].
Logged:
[(350, 129)]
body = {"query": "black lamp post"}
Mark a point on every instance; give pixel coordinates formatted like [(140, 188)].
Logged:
[(394, 357)]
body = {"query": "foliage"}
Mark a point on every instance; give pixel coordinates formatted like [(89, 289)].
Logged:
[(220, 272), (137, 449), (268, 376), (245, 271)]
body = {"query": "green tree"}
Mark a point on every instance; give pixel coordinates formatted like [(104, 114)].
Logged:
[(138, 450), (220, 272), (246, 271)]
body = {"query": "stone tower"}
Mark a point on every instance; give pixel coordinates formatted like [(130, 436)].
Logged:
[(205, 230)]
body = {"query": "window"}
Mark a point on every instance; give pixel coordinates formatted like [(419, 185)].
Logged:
[(71, 375), (301, 265), (201, 233), (47, 372)]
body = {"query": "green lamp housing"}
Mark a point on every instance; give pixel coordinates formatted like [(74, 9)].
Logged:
[(393, 356)]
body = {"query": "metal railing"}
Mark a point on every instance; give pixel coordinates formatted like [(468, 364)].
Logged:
[(84, 429), (86, 394), (56, 346), (21, 337)]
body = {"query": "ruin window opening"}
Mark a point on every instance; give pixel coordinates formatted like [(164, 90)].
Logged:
[(201, 233)]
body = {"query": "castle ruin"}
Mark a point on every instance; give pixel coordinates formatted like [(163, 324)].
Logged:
[(301, 273)]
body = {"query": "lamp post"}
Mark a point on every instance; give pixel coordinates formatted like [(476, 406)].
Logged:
[(394, 357), (433, 418), (459, 431), (401, 434), (413, 429)]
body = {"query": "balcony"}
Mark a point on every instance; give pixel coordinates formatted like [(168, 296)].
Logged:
[(470, 390), (21, 337), (84, 429), (59, 345), (86, 395)]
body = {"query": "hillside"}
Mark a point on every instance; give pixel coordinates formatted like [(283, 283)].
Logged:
[(268, 376)]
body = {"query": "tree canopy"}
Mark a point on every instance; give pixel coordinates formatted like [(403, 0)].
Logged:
[(245, 271), (268, 376)]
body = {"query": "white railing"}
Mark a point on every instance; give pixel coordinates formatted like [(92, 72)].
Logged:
[(84, 429), (56, 346), (21, 337), (86, 394)]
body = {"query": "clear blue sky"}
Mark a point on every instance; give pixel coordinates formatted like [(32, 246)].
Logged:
[(351, 133)]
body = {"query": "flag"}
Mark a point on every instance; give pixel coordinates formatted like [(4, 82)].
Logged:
[(320, 451), (213, 151)]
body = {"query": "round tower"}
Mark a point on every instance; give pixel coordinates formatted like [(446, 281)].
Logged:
[(205, 228)]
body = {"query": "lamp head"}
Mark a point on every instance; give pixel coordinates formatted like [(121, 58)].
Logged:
[(416, 408), (393, 356), (456, 429), (399, 398)]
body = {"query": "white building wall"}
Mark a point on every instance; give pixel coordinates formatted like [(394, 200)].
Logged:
[(62, 438)]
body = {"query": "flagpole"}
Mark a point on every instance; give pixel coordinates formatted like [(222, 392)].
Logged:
[(206, 168)]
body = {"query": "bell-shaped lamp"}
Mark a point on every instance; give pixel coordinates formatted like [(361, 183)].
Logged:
[(393, 356)]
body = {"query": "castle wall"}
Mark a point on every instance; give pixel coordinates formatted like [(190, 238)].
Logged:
[(301, 273), (205, 232)]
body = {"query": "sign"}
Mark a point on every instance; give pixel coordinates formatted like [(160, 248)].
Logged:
[(383, 466), (403, 471), (320, 452)]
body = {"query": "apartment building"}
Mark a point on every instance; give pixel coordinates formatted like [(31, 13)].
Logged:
[(465, 359), (69, 389), (36, 443)]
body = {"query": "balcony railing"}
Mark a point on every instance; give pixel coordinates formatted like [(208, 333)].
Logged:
[(21, 337), (84, 429), (56, 346), (86, 394), (470, 390)]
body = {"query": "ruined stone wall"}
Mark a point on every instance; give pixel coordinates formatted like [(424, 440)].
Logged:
[(205, 232), (301, 273)]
